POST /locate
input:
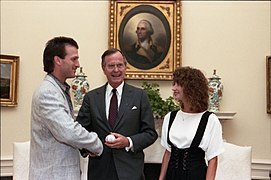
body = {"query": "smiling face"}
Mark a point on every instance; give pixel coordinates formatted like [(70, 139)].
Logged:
[(70, 63), (178, 94), (114, 68), (66, 68)]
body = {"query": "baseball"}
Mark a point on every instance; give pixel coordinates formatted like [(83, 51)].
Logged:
[(110, 138)]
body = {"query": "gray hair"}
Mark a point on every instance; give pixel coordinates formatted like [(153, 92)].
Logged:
[(148, 26)]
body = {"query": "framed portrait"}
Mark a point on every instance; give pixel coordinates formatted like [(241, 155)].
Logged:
[(9, 79), (268, 83), (149, 35)]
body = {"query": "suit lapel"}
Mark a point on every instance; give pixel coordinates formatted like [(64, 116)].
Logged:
[(124, 104), (51, 80), (100, 101)]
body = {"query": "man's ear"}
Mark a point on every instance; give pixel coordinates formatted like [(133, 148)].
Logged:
[(57, 60)]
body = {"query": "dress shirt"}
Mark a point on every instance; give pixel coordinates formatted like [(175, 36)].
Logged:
[(108, 95)]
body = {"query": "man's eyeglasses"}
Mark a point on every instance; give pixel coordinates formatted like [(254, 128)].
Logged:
[(112, 66)]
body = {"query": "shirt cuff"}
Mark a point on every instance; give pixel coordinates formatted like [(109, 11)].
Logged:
[(130, 147)]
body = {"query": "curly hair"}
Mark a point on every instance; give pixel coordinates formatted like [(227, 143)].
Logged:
[(195, 87)]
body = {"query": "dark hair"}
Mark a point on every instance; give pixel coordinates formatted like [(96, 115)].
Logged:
[(109, 52), (195, 87), (56, 47)]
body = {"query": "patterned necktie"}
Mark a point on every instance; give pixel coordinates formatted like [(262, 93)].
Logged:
[(113, 109)]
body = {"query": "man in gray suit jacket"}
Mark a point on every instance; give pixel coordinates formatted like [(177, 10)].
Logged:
[(133, 129), (55, 136)]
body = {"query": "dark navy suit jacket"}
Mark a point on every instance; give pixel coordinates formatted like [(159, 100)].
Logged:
[(135, 120)]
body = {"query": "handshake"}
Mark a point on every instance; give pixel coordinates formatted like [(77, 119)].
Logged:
[(84, 152)]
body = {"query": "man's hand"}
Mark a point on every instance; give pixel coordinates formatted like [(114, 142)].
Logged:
[(92, 154), (84, 152), (120, 141)]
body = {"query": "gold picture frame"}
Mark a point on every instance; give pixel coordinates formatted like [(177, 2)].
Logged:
[(9, 80), (164, 50), (268, 83)]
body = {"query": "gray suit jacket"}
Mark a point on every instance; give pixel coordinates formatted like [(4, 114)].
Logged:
[(135, 120), (55, 137)]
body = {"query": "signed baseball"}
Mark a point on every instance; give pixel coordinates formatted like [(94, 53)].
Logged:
[(110, 138)]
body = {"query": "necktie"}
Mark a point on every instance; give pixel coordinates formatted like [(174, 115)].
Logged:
[(113, 109)]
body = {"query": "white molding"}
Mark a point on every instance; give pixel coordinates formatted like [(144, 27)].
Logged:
[(6, 166), (260, 168), (225, 115)]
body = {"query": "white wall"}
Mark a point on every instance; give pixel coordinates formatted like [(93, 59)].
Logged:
[(231, 37)]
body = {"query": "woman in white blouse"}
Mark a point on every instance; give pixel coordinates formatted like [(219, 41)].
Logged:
[(191, 135)]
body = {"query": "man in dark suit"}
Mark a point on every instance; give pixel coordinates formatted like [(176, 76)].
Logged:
[(133, 129)]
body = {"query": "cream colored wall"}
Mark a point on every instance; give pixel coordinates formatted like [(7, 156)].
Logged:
[(232, 37)]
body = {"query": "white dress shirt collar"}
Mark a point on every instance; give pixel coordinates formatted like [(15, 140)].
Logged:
[(119, 89)]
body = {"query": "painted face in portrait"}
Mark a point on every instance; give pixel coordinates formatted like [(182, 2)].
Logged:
[(142, 31), (114, 69)]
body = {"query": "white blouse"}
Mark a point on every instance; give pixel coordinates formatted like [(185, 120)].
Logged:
[(183, 131)]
